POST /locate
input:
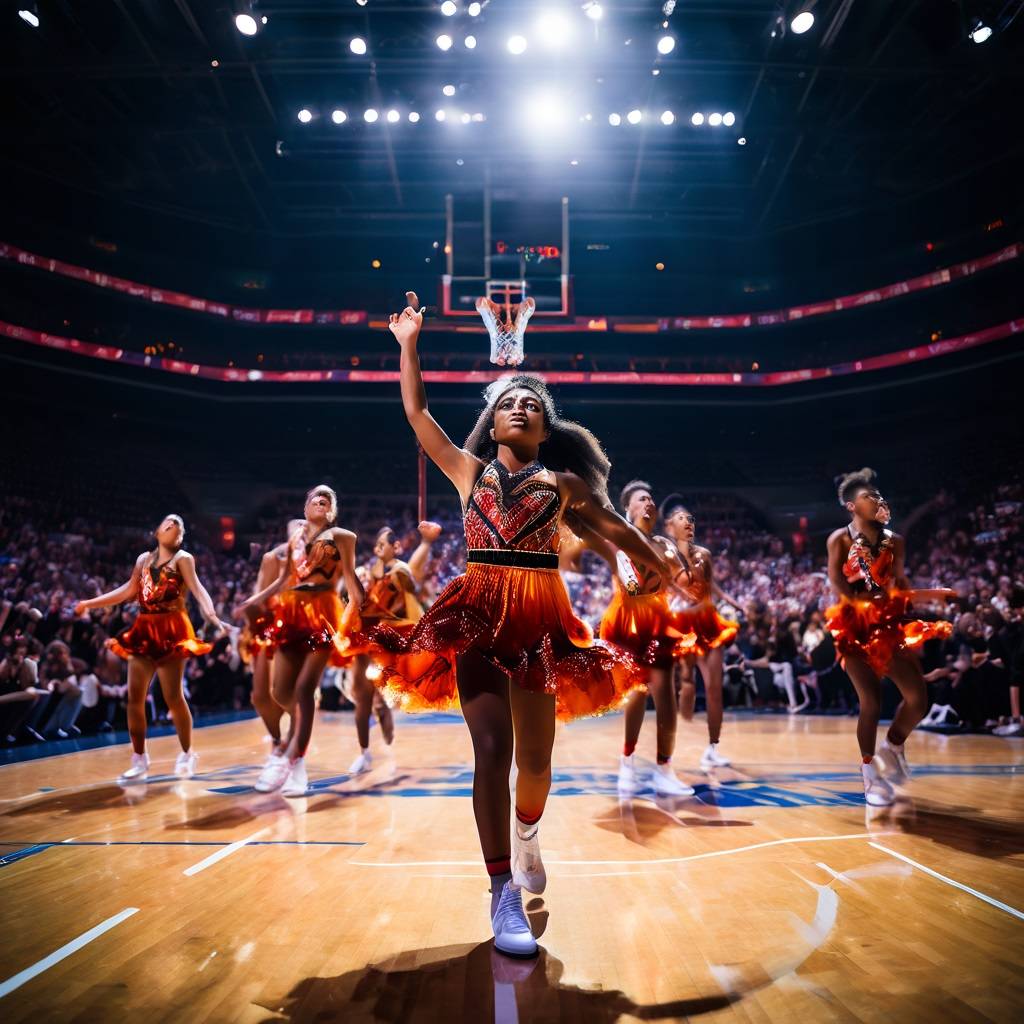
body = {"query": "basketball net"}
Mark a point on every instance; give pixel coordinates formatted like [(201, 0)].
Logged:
[(507, 338)]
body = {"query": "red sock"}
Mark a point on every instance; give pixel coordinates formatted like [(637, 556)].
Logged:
[(527, 819), (868, 758), (627, 749), (664, 759), (498, 865)]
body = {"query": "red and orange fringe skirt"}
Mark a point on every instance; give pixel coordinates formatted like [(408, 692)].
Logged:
[(160, 637)]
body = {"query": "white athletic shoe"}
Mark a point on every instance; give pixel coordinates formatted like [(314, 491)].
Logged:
[(139, 768), (186, 764), (1015, 727), (628, 782), (296, 782), (877, 792), (665, 782), (892, 763), (512, 935), (363, 763), (527, 867), (711, 758), (275, 771), (932, 718)]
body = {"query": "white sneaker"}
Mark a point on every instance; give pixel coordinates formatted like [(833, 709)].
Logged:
[(275, 771), (665, 783), (512, 935), (186, 764), (363, 763), (139, 768), (1015, 727), (877, 792), (711, 758), (628, 782), (932, 717), (892, 763), (527, 867), (296, 782)]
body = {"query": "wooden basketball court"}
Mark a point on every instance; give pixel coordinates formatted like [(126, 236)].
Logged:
[(772, 896)]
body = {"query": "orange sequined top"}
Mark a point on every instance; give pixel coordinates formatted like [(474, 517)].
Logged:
[(162, 588), (316, 563), (867, 568), (385, 597), (695, 580)]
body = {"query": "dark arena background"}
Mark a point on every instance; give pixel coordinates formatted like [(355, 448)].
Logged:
[(769, 243)]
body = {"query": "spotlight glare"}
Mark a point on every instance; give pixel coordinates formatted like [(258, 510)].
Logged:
[(546, 111), (516, 44), (668, 117), (729, 119), (474, 10), (394, 117), (593, 10), (358, 46), (371, 115), (440, 115), (470, 42), (979, 34), (465, 118), (448, 8), (339, 116), (305, 116), (666, 44), (554, 29), (741, 141), (802, 22), (413, 116), (479, 117), (31, 18), (444, 41), (697, 120), (634, 117), (615, 120), (714, 120), (245, 23), (448, 90)]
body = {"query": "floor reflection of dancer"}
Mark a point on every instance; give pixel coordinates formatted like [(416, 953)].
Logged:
[(713, 632), (639, 618), (255, 646), (311, 622), (392, 599), (502, 639), (160, 640), (874, 634)]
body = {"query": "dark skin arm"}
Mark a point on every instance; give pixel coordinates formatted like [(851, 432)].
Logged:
[(838, 549)]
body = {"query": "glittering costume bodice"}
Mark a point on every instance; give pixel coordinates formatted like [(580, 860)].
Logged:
[(316, 564), (867, 568), (385, 596), (513, 511), (162, 589), (695, 579)]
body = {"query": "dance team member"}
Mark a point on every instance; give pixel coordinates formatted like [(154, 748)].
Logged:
[(160, 640)]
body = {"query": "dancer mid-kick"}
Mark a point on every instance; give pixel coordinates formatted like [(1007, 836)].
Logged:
[(502, 639)]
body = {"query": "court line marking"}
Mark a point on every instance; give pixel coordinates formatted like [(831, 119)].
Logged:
[(19, 979), (641, 863), (992, 901), (208, 862)]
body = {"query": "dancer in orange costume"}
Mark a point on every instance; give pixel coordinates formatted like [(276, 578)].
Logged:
[(874, 631), (160, 640)]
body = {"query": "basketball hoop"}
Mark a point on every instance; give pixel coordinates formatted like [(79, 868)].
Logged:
[(507, 335)]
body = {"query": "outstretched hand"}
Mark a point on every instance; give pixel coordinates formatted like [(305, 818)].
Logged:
[(429, 531), (405, 326)]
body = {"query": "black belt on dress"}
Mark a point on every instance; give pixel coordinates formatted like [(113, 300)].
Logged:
[(516, 559)]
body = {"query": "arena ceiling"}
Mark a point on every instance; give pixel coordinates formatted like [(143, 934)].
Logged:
[(164, 105)]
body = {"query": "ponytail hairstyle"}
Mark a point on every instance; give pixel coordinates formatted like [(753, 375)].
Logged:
[(847, 484)]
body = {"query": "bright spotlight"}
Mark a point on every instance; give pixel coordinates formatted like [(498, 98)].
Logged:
[(470, 42), (448, 90), (31, 18), (668, 117), (448, 8), (358, 46), (615, 120), (465, 118), (666, 44), (413, 117), (516, 44), (980, 33), (545, 111), (339, 116), (474, 10), (634, 117), (729, 119), (802, 22), (741, 141), (440, 115), (714, 120), (554, 29), (305, 116), (444, 41), (479, 117), (697, 120), (593, 10), (371, 115), (394, 117), (246, 24)]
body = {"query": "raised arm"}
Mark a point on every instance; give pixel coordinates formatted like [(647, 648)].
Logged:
[(186, 565), (429, 532), (836, 558), (126, 592), (458, 465)]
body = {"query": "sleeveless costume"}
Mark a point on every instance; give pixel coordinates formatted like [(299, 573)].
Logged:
[(876, 630), (702, 618), (162, 630), (510, 606)]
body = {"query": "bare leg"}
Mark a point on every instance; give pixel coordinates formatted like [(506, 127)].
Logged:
[(313, 666), (636, 708), (533, 719), (170, 675), (363, 692), (905, 672), (869, 693), (660, 683), (266, 707), (286, 668), (711, 671), (687, 690), (140, 673)]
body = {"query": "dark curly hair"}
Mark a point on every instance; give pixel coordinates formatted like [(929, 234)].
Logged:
[(629, 490), (847, 484), (569, 448)]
